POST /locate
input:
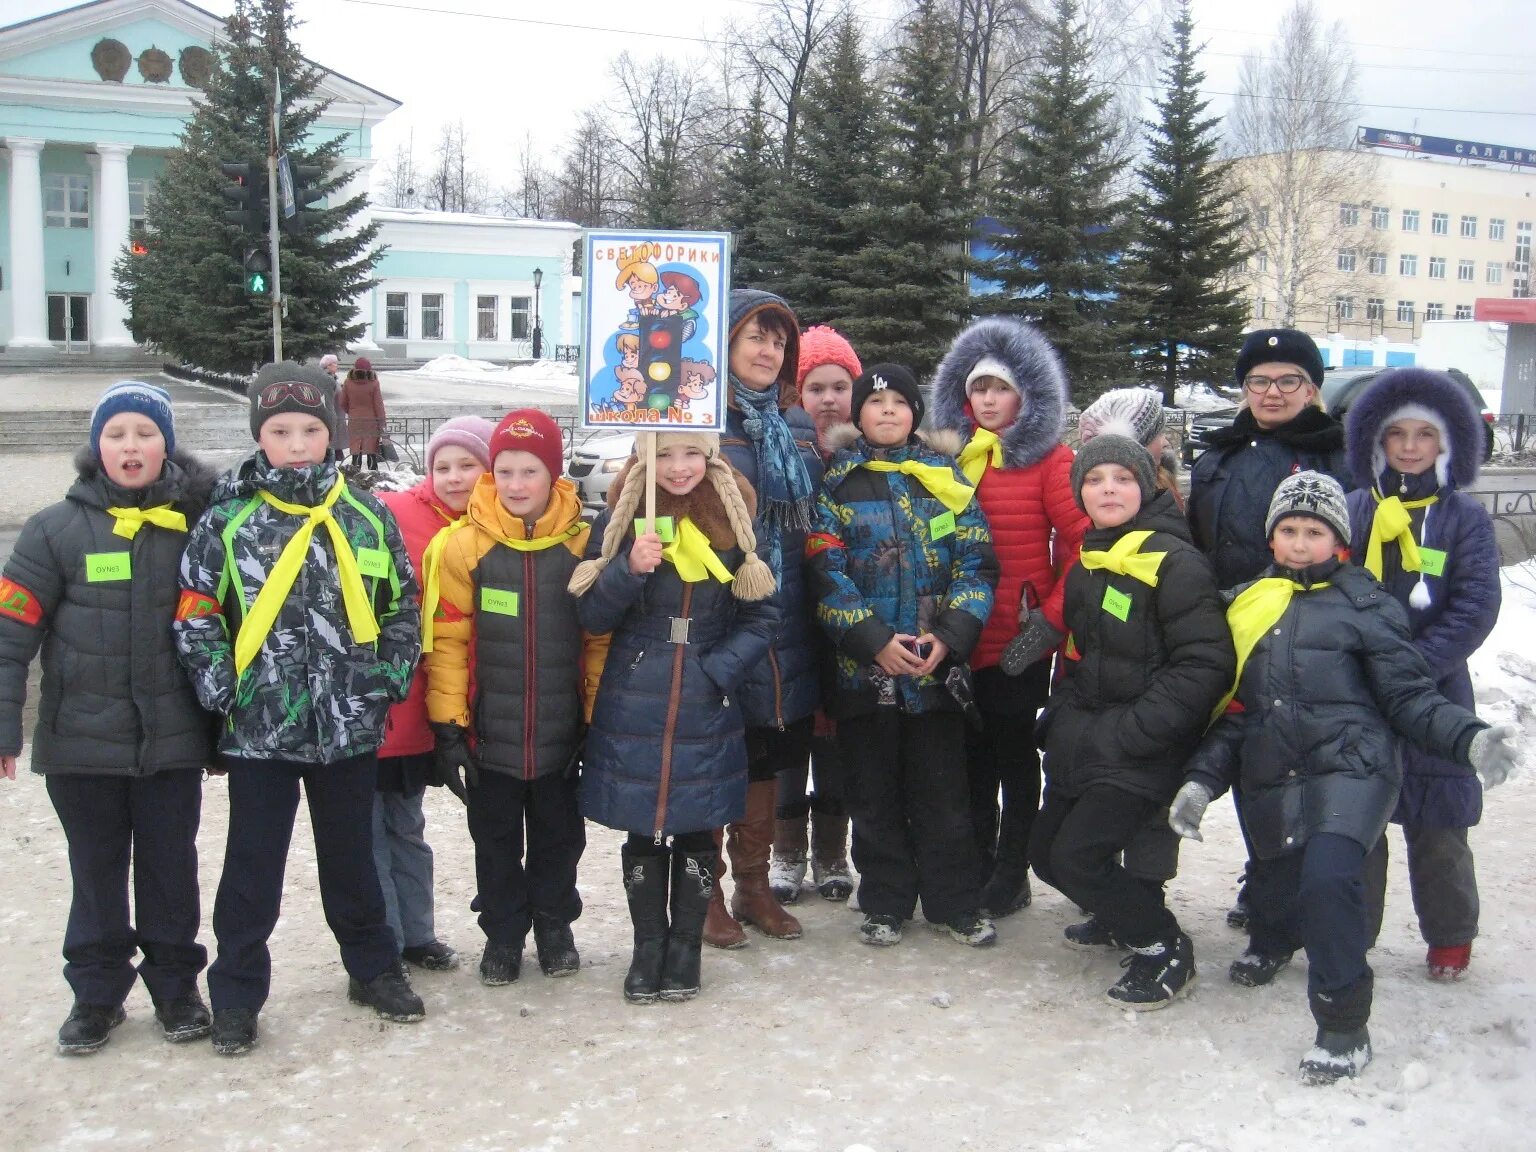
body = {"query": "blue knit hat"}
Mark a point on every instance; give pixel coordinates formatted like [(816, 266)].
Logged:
[(134, 396)]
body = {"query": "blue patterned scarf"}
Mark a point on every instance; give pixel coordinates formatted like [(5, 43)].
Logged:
[(784, 493)]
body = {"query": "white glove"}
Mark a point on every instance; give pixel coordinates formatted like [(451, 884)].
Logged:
[(1188, 809), (1493, 754)]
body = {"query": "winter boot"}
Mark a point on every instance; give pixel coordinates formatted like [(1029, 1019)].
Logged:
[(829, 856), (1254, 969), (389, 994), (1091, 933), (433, 956), (972, 929), (881, 931), (183, 1018), (1336, 1055), (88, 1027), (1156, 975), (750, 839), (500, 964), (1449, 963), (234, 1031), (693, 884), (787, 872), (556, 947), (1007, 888), (720, 930), (645, 885), (1237, 915)]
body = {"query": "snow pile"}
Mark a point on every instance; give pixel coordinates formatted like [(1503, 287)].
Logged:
[(1201, 398), (545, 375)]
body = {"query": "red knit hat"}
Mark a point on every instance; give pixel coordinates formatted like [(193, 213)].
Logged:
[(529, 430), (825, 345)]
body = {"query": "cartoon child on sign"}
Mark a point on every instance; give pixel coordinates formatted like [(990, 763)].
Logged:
[(638, 278), (631, 390), (628, 345), (677, 297), (697, 377)]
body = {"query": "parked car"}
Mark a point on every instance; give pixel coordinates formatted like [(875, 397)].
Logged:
[(594, 465), (1340, 387)]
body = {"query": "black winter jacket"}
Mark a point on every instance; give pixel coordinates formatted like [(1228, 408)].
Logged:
[(115, 701), (1138, 692), (1322, 700)]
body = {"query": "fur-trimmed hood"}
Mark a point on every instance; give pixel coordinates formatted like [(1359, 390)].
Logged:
[(185, 479), (702, 505), (1428, 395), (944, 440), (1037, 371)]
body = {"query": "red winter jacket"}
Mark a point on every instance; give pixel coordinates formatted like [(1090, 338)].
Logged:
[(420, 515)]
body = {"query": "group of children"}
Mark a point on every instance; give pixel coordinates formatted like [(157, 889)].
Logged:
[(891, 601)]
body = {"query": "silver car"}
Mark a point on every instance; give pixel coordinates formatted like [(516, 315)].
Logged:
[(595, 463)]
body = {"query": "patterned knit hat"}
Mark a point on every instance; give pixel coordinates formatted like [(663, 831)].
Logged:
[(134, 396), (529, 430), (1136, 413), (289, 387), (471, 433), (825, 345), (892, 376), (1111, 449), (1312, 494)]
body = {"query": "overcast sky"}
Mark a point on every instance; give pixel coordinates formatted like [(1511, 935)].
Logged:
[(527, 68)]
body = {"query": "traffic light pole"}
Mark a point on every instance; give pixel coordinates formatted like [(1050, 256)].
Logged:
[(277, 274)]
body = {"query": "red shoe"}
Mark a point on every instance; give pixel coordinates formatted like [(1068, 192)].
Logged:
[(1450, 963)]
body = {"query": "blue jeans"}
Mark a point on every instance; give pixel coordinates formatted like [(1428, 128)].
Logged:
[(404, 862)]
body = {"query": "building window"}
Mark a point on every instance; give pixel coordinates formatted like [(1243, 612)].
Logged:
[(1408, 265), (1466, 270), (66, 201), (1434, 311), (1469, 227), (522, 306), (1440, 224), (1463, 311), (1263, 261), (1410, 219), (485, 317), (1495, 272), (1376, 263), (1346, 307), (139, 192), (396, 312), (1405, 311), (432, 316), (1375, 308), (1264, 216), (1349, 215), (1381, 218), (1260, 308), (1495, 228), (1437, 267), (1346, 259)]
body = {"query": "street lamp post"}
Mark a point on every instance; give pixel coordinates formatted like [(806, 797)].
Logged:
[(538, 331)]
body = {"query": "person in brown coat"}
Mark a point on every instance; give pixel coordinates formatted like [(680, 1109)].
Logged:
[(362, 401)]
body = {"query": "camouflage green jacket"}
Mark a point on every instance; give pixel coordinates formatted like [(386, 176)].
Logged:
[(311, 694)]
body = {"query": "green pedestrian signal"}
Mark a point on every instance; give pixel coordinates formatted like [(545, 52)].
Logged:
[(258, 278)]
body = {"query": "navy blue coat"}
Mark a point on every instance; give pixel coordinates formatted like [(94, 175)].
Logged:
[(787, 686), (666, 750)]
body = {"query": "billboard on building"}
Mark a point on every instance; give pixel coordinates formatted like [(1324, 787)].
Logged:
[(1447, 146)]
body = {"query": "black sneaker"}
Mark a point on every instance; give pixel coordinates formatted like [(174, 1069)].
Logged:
[(89, 1027), (1255, 969), (556, 947), (1005, 894), (1156, 975), (434, 956), (389, 994), (184, 1018), (1237, 915), (881, 931), (975, 930), (501, 964), (234, 1031), (1091, 933), (1336, 1056)]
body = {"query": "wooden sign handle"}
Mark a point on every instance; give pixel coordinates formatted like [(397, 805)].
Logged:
[(650, 480)]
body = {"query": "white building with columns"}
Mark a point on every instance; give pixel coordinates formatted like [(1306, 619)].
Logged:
[(94, 97)]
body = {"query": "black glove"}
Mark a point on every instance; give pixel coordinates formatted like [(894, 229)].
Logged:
[(1035, 641), (452, 755)]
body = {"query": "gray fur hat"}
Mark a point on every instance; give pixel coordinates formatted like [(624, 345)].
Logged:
[(1112, 449), (1314, 494)]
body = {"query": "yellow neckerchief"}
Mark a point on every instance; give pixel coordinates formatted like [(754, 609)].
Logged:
[(984, 449), (130, 520), (939, 479), (431, 585), (691, 554), (1394, 522), (1126, 559), (1252, 615), (354, 595)]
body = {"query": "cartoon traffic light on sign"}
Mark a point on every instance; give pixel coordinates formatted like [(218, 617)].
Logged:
[(661, 358)]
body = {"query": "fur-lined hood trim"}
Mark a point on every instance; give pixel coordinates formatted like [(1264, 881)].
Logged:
[(702, 505), (191, 482), (1418, 394), (1037, 372), (841, 436)]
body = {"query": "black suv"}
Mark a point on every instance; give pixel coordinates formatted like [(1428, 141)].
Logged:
[(1340, 387)]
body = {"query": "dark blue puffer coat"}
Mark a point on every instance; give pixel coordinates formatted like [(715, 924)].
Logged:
[(666, 750), (1464, 598)]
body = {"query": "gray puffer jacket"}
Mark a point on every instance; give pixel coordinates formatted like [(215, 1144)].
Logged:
[(115, 701)]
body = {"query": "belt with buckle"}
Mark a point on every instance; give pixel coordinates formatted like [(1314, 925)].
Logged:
[(680, 627)]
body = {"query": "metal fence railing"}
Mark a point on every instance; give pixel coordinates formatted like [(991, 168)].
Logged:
[(405, 437)]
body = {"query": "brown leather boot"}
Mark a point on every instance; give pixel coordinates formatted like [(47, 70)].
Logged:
[(749, 843), (720, 931)]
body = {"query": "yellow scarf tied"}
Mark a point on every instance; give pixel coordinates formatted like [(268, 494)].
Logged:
[(1394, 522), (130, 520), (691, 555), (432, 562), (938, 479), (1126, 559), (1251, 616), (269, 601), (984, 449)]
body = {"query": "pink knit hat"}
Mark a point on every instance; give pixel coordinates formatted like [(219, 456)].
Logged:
[(825, 345), (471, 433)]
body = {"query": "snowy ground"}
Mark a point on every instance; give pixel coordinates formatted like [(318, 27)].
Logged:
[(820, 1044)]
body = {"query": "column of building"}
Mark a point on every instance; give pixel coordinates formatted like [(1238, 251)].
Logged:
[(29, 303), (109, 220)]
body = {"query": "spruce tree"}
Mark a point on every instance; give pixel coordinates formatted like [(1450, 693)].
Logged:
[(1064, 222), (747, 192), (186, 294), (902, 295), (1189, 235)]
